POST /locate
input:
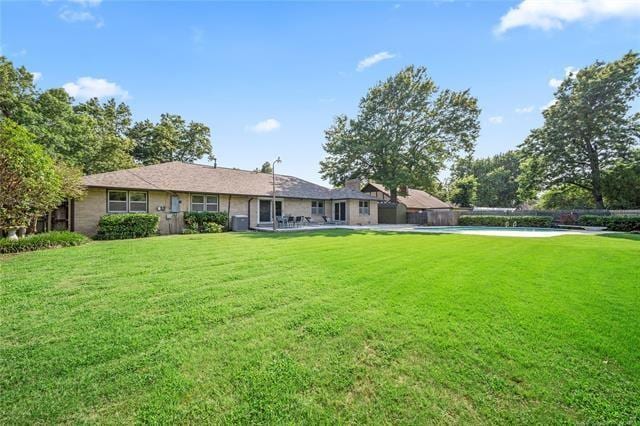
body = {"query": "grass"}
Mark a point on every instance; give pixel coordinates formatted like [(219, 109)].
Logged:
[(324, 327)]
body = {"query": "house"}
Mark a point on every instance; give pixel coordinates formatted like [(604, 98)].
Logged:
[(170, 189), (415, 200)]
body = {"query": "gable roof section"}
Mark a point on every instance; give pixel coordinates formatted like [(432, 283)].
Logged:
[(187, 177), (415, 198)]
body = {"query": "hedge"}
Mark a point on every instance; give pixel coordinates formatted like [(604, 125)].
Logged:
[(206, 221), (127, 225), (593, 220), (532, 221), (42, 241), (613, 223)]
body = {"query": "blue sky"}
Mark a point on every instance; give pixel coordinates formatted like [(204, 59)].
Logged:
[(269, 77)]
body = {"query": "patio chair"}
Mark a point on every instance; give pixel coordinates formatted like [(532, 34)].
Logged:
[(290, 221), (299, 220), (328, 221), (281, 222)]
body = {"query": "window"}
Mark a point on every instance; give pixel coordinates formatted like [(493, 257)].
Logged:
[(127, 202), (137, 202), (317, 207), (117, 202), (364, 208), (201, 203)]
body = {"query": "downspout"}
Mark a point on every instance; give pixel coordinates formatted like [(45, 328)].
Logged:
[(249, 212), (229, 212)]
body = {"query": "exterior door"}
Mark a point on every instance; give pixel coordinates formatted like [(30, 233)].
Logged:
[(265, 210), (340, 211)]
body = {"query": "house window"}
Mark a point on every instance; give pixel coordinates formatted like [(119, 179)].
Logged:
[(202, 203), (364, 208), (317, 207), (117, 202), (137, 202)]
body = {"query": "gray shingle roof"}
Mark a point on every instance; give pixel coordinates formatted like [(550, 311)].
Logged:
[(187, 177), (415, 198)]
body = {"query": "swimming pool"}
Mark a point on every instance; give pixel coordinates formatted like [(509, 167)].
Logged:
[(497, 231), (490, 228)]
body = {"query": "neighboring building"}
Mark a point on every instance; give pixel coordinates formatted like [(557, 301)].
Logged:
[(415, 200), (170, 189)]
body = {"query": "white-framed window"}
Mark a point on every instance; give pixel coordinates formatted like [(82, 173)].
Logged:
[(317, 207), (137, 202), (127, 201), (117, 202), (204, 203), (363, 208)]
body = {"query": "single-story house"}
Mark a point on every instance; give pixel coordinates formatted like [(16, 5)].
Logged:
[(415, 200), (170, 189)]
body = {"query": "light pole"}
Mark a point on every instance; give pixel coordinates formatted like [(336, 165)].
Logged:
[(273, 200)]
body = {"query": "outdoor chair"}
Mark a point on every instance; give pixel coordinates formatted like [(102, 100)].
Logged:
[(281, 222), (290, 221), (328, 221), (299, 220)]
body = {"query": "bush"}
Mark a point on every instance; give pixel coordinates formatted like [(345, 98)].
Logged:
[(623, 223), (593, 220), (42, 241), (203, 221), (532, 221), (128, 225)]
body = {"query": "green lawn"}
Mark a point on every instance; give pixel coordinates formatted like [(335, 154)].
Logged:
[(324, 327)]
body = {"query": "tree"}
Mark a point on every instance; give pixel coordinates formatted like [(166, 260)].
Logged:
[(17, 91), (265, 168), (496, 176), (405, 132), (30, 182), (588, 129), (621, 184), (566, 197), (170, 140), (463, 191)]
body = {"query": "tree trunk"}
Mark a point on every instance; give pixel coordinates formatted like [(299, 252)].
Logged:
[(596, 184), (393, 194)]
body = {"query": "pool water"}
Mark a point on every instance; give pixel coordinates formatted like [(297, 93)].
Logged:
[(489, 228)]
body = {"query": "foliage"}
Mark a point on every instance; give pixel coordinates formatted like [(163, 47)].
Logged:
[(502, 220), (566, 197), (588, 129), (447, 329), (613, 223), (127, 225), (621, 184), (463, 191), (172, 139), (17, 91), (42, 241), (497, 178), (199, 220), (29, 183), (405, 131), (212, 227), (265, 168)]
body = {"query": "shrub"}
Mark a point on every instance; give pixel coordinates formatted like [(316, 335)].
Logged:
[(623, 223), (201, 221), (593, 220), (212, 228), (128, 225), (42, 241), (533, 221)]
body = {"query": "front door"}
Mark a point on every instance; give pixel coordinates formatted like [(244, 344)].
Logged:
[(340, 211), (265, 210)]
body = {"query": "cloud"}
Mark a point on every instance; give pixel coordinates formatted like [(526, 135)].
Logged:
[(554, 15), (89, 87), (551, 103), (497, 119), (197, 35), (374, 59), (86, 2), (69, 15), (77, 12), (265, 126), (568, 72), (524, 110), (36, 76)]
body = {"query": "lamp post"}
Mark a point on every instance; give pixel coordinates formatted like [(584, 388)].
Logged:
[(273, 194)]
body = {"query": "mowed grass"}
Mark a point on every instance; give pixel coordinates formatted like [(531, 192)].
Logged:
[(323, 327)]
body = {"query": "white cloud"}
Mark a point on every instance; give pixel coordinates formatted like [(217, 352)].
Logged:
[(524, 110), (86, 2), (36, 76), (549, 104), (69, 15), (89, 87), (554, 14), (497, 119), (568, 72), (265, 126), (374, 59)]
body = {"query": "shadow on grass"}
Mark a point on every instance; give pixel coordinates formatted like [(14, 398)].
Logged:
[(332, 233), (622, 236)]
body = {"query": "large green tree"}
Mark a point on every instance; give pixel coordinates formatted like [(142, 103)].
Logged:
[(464, 191), (589, 127), (405, 132), (496, 177), (17, 92), (621, 184), (171, 139)]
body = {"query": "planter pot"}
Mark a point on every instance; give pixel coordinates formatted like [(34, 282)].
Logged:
[(11, 234), (22, 231)]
